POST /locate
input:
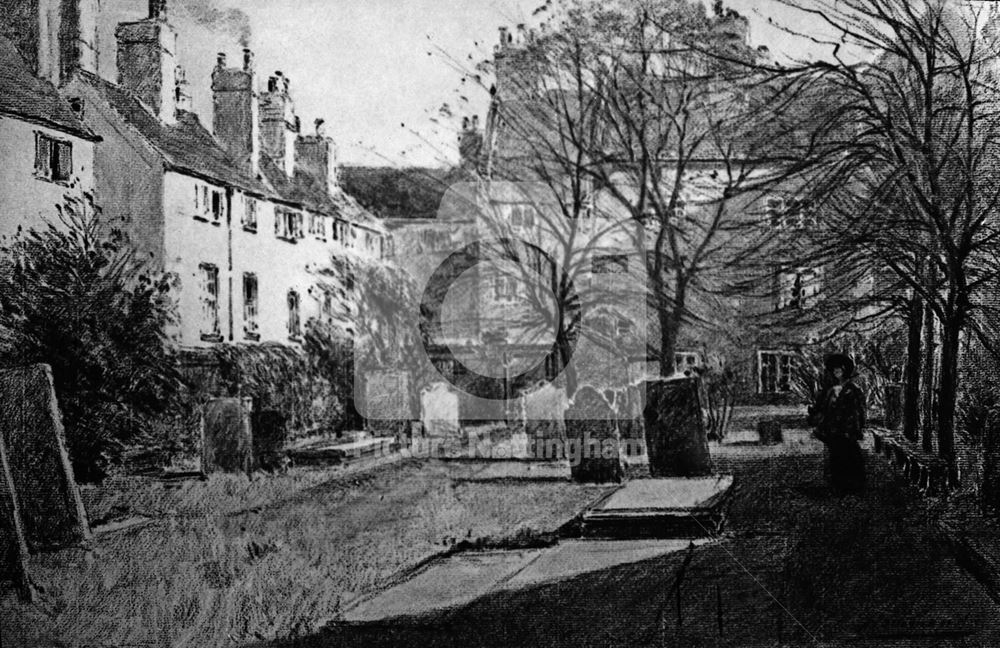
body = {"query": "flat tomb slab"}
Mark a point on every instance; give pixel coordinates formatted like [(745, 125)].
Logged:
[(673, 507), (670, 494)]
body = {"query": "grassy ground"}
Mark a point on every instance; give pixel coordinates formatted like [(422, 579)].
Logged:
[(232, 561), (799, 567)]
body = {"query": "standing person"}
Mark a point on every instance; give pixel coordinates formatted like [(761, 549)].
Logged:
[(839, 418)]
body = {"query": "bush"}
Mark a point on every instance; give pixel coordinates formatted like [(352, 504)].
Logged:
[(73, 295)]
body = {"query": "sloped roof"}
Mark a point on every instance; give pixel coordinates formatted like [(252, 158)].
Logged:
[(24, 95), (390, 192), (189, 147), (309, 191), (186, 146)]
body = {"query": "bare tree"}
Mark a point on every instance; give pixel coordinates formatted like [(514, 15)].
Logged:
[(653, 111), (912, 191)]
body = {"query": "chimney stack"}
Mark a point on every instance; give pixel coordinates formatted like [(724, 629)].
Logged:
[(278, 123), (220, 61), (182, 94), (317, 156), (158, 10), (236, 111), (147, 64), (470, 143)]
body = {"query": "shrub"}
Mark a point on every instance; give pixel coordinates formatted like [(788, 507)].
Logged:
[(74, 295)]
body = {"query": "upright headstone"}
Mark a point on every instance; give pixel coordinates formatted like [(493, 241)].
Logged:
[(52, 511), (270, 434), (13, 544), (227, 442), (544, 422), (387, 403), (439, 411), (676, 439), (594, 445), (894, 406)]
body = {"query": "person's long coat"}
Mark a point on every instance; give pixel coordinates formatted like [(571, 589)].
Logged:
[(842, 417)]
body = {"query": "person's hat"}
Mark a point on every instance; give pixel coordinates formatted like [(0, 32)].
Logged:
[(841, 360)]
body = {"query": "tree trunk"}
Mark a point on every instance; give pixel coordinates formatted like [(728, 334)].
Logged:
[(911, 393), (927, 384), (948, 394)]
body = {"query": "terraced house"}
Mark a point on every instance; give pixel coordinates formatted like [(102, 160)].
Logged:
[(242, 211)]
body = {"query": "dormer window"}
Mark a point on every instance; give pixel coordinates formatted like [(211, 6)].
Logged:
[(53, 158)]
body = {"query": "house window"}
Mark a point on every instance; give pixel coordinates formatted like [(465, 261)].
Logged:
[(53, 158), (209, 275), (288, 225), (775, 372), (250, 306), (623, 327), (505, 288), (294, 315), (336, 229), (317, 226), (686, 361), (522, 217), (209, 204), (793, 214), (799, 287), (610, 264), (250, 208)]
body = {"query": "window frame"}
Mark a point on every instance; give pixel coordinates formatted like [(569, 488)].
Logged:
[(251, 307), (780, 355), (251, 214), (293, 304), (50, 166), (210, 324)]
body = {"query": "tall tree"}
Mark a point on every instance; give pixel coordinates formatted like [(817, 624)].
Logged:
[(915, 182)]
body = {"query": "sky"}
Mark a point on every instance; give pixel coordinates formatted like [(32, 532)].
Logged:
[(377, 71)]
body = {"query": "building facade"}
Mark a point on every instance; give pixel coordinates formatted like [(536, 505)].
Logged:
[(241, 212)]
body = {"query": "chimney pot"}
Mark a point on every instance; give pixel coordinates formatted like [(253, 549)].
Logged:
[(158, 9), (475, 122), (503, 37), (298, 124), (221, 60), (319, 127), (247, 59), (465, 123), (272, 84)]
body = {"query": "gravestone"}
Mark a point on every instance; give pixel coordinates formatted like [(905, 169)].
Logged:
[(629, 406), (544, 422), (270, 434), (227, 439), (387, 403), (894, 406), (594, 445), (439, 411), (52, 512), (769, 431), (13, 544), (676, 439)]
